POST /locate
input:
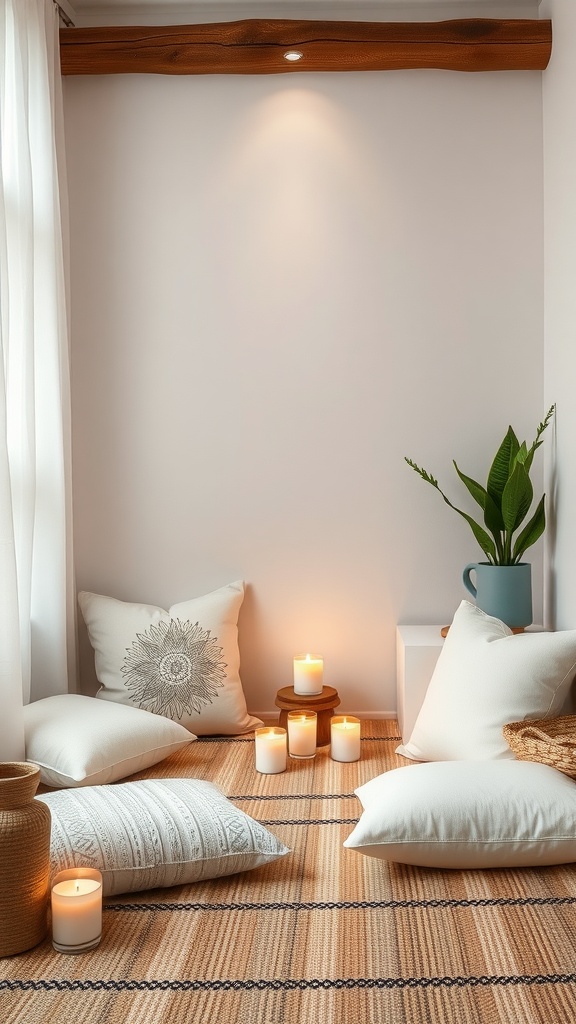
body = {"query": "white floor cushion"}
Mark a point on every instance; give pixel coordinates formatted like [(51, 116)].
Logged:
[(79, 741), (484, 678), (468, 814)]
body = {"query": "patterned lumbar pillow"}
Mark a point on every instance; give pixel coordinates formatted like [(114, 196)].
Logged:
[(183, 663), (155, 833)]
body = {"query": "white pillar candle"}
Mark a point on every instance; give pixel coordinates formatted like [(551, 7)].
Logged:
[(270, 750), (302, 733), (76, 910), (308, 674), (344, 738)]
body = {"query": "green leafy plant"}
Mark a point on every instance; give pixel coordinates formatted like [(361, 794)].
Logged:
[(505, 501)]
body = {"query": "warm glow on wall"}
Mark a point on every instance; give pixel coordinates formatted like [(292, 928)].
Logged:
[(287, 164)]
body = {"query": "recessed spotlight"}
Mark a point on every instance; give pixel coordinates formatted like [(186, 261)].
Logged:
[(293, 55)]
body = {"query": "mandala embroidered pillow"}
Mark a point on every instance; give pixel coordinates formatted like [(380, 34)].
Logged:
[(183, 663), (155, 833)]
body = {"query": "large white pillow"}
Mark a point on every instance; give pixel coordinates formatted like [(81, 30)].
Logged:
[(183, 663), (80, 741), (468, 814), (155, 833), (485, 677)]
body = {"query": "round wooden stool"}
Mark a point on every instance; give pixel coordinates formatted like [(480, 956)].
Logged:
[(322, 703)]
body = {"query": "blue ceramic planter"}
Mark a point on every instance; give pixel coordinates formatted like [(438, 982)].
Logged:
[(504, 591)]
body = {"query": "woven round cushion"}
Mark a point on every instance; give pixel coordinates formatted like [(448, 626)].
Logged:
[(547, 740)]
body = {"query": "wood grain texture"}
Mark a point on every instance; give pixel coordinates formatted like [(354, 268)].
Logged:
[(256, 47)]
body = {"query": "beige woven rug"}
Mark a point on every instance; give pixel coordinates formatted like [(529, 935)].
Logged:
[(322, 936)]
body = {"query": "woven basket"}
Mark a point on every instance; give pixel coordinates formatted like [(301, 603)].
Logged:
[(24, 858), (547, 740)]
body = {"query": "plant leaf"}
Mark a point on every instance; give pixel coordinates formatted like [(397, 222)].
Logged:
[(539, 431), (516, 498), (492, 515), (478, 492), (493, 519), (530, 455), (531, 532), (502, 466), (484, 540), (506, 499), (422, 472), (522, 453)]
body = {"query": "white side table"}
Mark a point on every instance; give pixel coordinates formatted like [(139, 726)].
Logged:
[(417, 651)]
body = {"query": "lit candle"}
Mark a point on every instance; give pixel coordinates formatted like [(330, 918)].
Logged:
[(270, 750), (302, 733), (76, 910), (344, 738), (308, 674)]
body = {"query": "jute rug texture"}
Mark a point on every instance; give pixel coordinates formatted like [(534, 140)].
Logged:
[(322, 936)]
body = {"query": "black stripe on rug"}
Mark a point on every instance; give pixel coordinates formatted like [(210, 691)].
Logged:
[(278, 985), (380, 739), (297, 796), (308, 821), (250, 739), (224, 739), (521, 901)]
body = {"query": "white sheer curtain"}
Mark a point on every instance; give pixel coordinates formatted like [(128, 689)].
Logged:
[(37, 656)]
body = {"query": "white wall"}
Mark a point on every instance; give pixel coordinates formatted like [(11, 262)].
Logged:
[(281, 286), (178, 12), (559, 89)]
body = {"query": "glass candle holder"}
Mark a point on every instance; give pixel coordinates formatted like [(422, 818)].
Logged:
[(302, 734), (345, 738), (308, 675), (271, 753), (76, 910)]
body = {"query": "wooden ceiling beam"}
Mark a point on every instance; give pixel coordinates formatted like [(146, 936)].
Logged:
[(257, 47)]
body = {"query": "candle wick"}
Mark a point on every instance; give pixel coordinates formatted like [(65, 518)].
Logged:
[(77, 886)]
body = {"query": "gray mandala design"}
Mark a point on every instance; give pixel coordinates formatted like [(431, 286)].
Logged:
[(174, 668)]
